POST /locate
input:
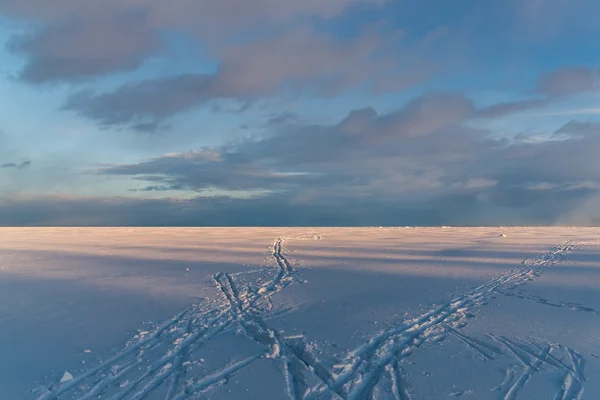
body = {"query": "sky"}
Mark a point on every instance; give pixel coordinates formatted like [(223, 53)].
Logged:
[(288, 112)]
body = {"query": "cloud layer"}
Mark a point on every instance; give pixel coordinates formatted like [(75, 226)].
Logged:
[(349, 112), (422, 153)]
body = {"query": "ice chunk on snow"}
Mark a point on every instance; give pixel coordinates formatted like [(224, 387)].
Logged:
[(66, 377)]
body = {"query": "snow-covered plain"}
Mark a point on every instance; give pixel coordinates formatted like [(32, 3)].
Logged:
[(290, 313)]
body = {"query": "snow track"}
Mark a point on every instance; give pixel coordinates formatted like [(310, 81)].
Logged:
[(165, 362), (365, 365)]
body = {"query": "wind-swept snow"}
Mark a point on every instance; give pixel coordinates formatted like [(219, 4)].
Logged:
[(363, 313)]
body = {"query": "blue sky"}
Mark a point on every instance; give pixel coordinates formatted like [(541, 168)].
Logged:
[(264, 112)]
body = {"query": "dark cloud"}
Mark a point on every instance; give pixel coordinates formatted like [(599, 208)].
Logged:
[(280, 210), (22, 165), (377, 159), (276, 210), (205, 169), (349, 174), (508, 206)]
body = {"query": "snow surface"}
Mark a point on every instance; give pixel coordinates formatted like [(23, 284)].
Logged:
[(282, 313)]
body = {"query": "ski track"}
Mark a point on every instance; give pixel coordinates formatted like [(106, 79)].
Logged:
[(533, 367), (365, 365), (356, 377), (399, 383), (487, 351), (561, 304)]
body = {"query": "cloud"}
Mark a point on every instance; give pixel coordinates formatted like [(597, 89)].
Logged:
[(586, 213), (349, 173), (559, 163), (569, 80), (427, 114), (544, 20), (510, 107), (280, 209), (581, 185), (297, 158), (202, 170), (542, 186), (552, 85), (560, 82), (71, 42), (420, 117), (578, 129), (80, 41), (377, 160), (274, 210), (86, 46), (336, 65), (480, 183), (145, 105), (22, 165)]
